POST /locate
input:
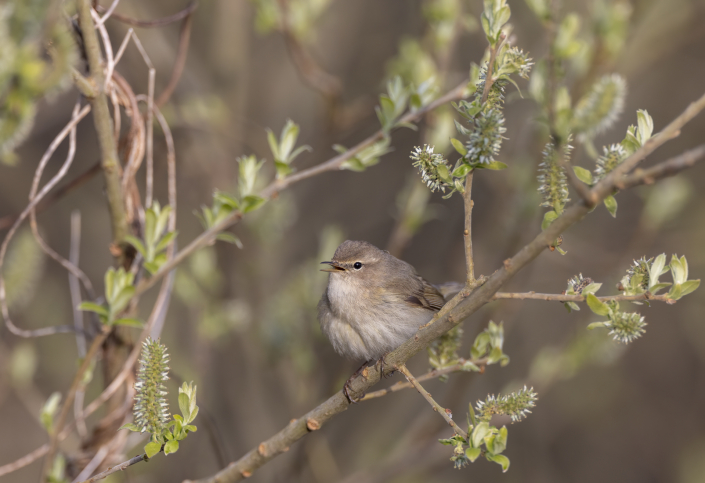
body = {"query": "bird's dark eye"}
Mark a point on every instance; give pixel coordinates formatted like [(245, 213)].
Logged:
[(357, 266)]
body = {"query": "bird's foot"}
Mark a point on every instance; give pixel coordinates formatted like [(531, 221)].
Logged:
[(347, 388), (382, 362)]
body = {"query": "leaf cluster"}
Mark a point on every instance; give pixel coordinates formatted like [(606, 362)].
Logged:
[(119, 290), (153, 247)]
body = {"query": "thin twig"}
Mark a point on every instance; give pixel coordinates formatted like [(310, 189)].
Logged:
[(49, 200), (159, 22), (452, 314), (116, 468), (580, 298), (180, 62), (467, 234), (108, 13), (32, 204), (68, 402), (75, 289), (662, 170), (459, 367), (445, 413), (582, 189), (67, 264), (276, 186)]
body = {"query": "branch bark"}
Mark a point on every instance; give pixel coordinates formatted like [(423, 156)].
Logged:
[(452, 314), (445, 413), (104, 125)]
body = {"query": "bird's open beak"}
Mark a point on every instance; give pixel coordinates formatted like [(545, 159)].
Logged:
[(334, 267)]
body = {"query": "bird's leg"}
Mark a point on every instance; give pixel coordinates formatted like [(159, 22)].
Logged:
[(382, 362), (346, 386)]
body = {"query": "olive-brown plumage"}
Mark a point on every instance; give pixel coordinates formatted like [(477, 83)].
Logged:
[(373, 301)]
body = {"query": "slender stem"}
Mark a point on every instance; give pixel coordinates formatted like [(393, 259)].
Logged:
[(122, 466), (104, 125), (276, 186), (159, 22), (469, 203), (68, 402), (579, 298), (459, 367), (445, 413)]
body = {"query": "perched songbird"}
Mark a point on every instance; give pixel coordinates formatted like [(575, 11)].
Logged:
[(373, 302)]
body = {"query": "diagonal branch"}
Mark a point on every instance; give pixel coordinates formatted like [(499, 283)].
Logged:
[(580, 298), (445, 413), (452, 314)]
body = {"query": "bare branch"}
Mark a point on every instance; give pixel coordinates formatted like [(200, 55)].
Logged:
[(116, 468), (467, 234), (32, 204), (459, 367), (452, 314), (68, 401), (580, 298), (180, 62), (664, 169), (445, 413), (104, 125), (159, 22)]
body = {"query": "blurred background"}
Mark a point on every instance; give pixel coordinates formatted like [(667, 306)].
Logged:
[(242, 322)]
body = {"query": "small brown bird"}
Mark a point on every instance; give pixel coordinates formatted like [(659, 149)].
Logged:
[(373, 302)]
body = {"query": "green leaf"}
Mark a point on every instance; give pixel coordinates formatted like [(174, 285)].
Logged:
[(283, 169), (500, 459), (572, 306), (131, 427), (230, 238), (583, 175), (656, 269), (689, 287), (592, 288), (46, 416), (495, 166), (152, 267), (479, 433), (679, 271), (109, 284), (171, 447), (458, 146), (473, 453), (495, 355), (129, 322), (596, 306), (298, 151), (251, 203), (548, 219), (654, 289), (461, 171), (611, 205), (646, 126), (121, 300), (137, 243), (152, 448), (273, 144), (184, 405), (596, 325), (226, 199), (92, 307), (164, 242)]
